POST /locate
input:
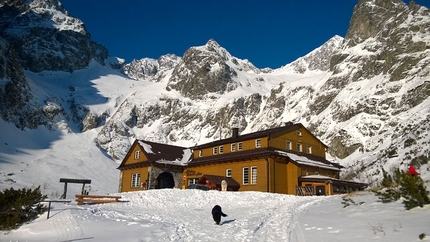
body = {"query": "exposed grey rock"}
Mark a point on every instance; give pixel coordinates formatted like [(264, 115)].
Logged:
[(30, 28), (90, 121)]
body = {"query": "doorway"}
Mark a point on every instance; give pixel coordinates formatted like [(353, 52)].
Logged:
[(165, 180)]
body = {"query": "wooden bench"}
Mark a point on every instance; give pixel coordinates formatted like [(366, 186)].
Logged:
[(81, 199)]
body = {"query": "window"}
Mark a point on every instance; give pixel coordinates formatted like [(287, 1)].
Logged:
[(309, 149), (257, 143), (215, 150), (200, 153), (137, 154), (221, 149), (289, 145), (253, 175), (193, 181), (245, 175), (233, 147), (228, 172), (299, 147), (135, 180), (299, 133), (239, 146)]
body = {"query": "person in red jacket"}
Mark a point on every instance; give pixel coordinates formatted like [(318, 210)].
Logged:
[(412, 171)]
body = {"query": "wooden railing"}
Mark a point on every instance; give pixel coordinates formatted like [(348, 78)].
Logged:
[(304, 190), (81, 199)]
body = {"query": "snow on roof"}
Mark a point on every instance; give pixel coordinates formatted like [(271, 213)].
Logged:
[(147, 147), (318, 177), (186, 158), (166, 154), (303, 160)]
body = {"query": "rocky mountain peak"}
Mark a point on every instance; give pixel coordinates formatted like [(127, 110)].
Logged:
[(202, 70), (318, 59), (151, 69), (46, 37), (370, 17)]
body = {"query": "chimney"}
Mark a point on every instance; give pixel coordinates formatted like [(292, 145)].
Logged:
[(235, 132), (289, 123)]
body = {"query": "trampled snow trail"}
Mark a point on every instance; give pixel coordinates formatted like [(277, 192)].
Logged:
[(172, 215), (176, 215)]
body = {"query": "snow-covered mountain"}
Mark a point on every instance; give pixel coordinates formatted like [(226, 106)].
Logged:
[(365, 96)]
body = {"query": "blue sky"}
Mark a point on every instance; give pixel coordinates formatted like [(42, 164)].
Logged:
[(269, 33)]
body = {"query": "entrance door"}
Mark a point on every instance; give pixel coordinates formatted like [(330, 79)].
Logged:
[(165, 180), (320, 190)]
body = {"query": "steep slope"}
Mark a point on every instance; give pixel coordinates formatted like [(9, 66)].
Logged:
[(366, 96), (40, 36)]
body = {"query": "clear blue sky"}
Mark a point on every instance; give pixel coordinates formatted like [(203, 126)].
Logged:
[(269, 33)]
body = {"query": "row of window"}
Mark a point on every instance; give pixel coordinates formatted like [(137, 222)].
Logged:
[(220, 149), (299, 147)]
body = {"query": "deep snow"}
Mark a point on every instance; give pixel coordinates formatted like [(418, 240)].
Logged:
[(185, 215)]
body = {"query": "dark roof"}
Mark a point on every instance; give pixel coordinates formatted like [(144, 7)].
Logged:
[(288, 127), (289, 156), (156, 151), (232, 183), (317, 178), (160, 153)]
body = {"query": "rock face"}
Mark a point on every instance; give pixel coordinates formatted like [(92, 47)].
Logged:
[(37, 36), (45, 37)]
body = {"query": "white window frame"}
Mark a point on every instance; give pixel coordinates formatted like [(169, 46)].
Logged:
[(193, 181), (245, 175), (137, 154), (200, 153), (215, 150), (228, 172), (135, 180), (289, 145), (253, 175), (239, 146), (233, 147), (309, 149), (221, 149), (257, 143), (299, 133), (299, 147)]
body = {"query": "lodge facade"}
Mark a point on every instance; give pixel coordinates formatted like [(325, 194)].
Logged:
[(287, 160)]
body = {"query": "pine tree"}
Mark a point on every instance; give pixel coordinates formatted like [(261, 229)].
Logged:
[(413, 191), (405, 185), (20, 206)]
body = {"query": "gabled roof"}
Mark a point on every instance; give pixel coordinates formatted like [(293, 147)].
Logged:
[(288, 127), (162, 153)]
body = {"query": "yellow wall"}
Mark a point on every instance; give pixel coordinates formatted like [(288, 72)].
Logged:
[(306, 138), (292, 178), (246, 145), (279, 178), (131, 157), (126, 178), (219, 169)]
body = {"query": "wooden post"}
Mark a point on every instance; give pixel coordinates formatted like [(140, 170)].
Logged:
[(64, 192), (68, 180), (49, 209)]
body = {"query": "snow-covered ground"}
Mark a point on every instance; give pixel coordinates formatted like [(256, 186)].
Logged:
[(185, 215)]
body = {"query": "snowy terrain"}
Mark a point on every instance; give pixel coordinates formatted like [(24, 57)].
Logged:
[(184, 215)]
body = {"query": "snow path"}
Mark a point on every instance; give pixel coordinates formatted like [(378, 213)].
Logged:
[(172, 215)]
